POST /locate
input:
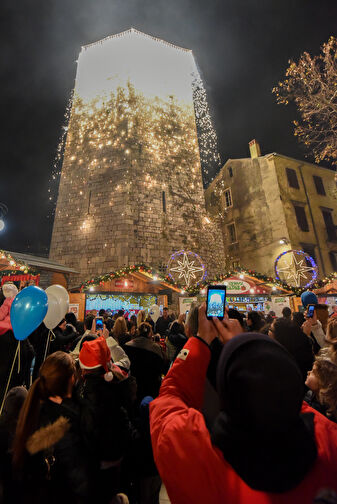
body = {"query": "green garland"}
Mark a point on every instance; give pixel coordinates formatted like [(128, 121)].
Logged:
[(198, 287), (16, 267)]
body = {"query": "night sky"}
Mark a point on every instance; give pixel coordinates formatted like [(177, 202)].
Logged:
[(241, 46)]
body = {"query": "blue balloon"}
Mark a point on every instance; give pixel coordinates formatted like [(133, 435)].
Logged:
[(28, 310)]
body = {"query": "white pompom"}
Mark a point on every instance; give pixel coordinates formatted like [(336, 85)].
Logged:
[(108, 376)]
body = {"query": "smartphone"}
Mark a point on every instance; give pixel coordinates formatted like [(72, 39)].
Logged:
[(99, 323), (215, 301), (310, 310)]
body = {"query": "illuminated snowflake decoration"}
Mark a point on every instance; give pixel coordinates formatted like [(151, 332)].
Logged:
[(296, 268), (186, 267)]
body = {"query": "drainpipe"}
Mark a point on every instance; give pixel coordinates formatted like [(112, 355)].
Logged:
[(312, 220)]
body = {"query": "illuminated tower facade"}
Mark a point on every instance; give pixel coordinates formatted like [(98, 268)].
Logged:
[(131, 187)]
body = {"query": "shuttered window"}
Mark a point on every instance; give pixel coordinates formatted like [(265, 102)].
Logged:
[(319, 185), (231, 233), (292, 178), (330, 227), (301, 218)]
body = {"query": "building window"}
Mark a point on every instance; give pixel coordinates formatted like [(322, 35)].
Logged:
[(329, 225), (333, 259), (301, 218), (231, 233), (292, 178), (319, 185), (308, 248), (230, 171), (228, 198), (163, 195)]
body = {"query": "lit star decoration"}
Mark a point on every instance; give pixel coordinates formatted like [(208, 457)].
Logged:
[(295, 271), (186, 268)]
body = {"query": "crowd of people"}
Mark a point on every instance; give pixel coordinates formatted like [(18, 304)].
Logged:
[(239, 410)]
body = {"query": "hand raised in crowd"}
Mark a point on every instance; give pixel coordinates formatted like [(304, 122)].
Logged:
[(103, 332), (210, 329), (309, 322)]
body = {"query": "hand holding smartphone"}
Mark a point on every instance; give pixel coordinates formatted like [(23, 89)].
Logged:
[(99, 323), (310, 311), (215, 301)]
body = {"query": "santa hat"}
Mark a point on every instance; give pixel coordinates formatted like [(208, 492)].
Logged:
[(9, 290), (95, 354)]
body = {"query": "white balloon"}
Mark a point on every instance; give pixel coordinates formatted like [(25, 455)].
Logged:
[(62, 297), (154, 312), (53, 316)]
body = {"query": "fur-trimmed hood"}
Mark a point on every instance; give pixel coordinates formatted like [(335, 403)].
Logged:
[(47, 436)]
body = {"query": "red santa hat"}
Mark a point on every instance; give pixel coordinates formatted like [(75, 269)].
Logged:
[(95, 354)]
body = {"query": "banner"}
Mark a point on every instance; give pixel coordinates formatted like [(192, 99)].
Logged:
[(185, 303), (277, 304), (35, 279)]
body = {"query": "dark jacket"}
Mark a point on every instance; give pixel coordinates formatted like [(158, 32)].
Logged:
[(63, 339), (20, 375), (105, 423), (56, 468), (162, 325), (147, 365)]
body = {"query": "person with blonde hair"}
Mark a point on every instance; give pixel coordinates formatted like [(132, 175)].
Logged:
[(322, 382), (141, 317), (120, 331)]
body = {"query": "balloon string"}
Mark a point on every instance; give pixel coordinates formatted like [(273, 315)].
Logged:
[(19, 357), (9, 379), (47, 346)]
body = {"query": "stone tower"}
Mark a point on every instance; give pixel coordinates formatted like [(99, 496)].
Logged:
[(131, 186)]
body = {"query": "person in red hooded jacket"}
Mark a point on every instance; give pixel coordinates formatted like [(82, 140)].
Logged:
[(10, 291), (266, 446)]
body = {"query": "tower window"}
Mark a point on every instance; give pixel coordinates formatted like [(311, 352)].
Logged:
[(319, 185), (231, 233), (228, 198), (292, 178), (301, 218), (163, 196)]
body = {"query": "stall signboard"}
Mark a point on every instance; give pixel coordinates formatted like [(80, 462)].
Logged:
[(277, 304), (236, 285), (185, 303), (124, 283)]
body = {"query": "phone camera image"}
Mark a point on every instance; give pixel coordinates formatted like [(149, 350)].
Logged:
[(216, 303), (99, 324)]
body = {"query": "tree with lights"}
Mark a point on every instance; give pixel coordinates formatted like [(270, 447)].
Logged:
[(312, 85)]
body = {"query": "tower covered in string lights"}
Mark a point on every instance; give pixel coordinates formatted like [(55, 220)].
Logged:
[(131, 187)]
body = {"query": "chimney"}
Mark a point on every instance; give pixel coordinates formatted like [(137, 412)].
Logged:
[(254, 148)]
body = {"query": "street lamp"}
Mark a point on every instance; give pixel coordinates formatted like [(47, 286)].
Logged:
[(3, 212)]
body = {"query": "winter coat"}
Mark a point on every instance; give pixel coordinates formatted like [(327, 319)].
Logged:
[(21, 373), (104, 420), (5, 320), (194, 470), (118, 355), (175, 342), (147, 365), (162, 325), (62, 340), (56, 468)]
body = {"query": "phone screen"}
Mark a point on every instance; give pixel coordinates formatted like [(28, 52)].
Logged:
[(99, 323), (216, 299), (310, 311)]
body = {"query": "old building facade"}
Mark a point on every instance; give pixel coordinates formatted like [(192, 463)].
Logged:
[(273, 203)]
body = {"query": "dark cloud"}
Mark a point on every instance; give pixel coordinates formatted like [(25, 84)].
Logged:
[(241, 46)]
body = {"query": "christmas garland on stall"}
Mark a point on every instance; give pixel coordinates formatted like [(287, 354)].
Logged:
[(16, 267)]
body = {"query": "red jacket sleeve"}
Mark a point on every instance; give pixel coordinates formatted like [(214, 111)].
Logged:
[(4, 309), (187, 462)]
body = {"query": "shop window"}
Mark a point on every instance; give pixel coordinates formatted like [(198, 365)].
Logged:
[(231, 233), (301, 218), (329, 225), (333, 260), (228, 198), (292, 178), (319, 185)]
